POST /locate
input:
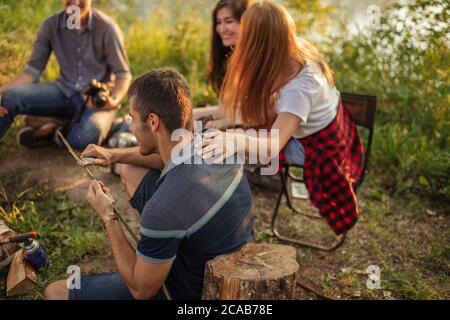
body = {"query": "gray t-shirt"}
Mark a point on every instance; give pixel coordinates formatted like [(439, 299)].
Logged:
[(197, 212), (310, 97), (97, 52)]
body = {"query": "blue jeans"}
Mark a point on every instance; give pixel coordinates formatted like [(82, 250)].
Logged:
[(294, 152), (106, 286), (46, 99)]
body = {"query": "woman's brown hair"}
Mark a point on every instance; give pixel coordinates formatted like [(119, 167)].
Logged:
[(219, 54), (266, 48)]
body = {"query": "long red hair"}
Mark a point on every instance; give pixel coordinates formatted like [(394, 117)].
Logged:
[(266, 48)]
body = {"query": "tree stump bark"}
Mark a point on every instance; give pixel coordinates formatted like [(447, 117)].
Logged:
[(256, 272)]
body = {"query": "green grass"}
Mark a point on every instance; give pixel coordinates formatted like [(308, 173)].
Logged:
[(172, 37), (398, 234), (67, 231), (8, 141), (412, 138), (406, 196), (407, 237)]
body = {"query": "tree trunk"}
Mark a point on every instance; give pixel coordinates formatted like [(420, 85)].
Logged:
[(256, 272)]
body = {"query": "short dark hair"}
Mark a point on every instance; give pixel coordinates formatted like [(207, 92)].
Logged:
[(165, 92)]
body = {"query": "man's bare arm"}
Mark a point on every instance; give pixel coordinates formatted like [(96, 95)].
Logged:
[(132, 156), (22, 78), (143, 279), (120, 88), (106, 157)]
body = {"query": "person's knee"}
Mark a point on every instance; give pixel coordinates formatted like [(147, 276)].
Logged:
[(124, 171), (10, 100), (127, 175), (79, 137), (56, 291)]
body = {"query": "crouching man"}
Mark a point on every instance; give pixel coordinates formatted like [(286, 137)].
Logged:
[(190, 213), (92, 50)]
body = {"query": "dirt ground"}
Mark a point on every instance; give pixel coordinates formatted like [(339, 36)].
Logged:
[(339, 275), (58, 169)]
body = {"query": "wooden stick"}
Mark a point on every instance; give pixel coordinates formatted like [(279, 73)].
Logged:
[(84, 164)]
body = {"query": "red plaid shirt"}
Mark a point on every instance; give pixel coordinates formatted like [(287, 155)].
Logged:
[(333, 165)]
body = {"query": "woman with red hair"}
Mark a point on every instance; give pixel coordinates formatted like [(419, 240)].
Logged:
[(277, 81)]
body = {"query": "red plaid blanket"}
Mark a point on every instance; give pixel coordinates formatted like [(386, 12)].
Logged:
[(333, 165)]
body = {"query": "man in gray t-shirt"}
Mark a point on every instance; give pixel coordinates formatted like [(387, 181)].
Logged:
[(191, 211), (88, 45)]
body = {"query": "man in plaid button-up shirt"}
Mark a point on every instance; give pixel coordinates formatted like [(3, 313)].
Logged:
[(93, 49)]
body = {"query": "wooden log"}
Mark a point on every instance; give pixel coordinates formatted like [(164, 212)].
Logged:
[(256, 272), (6, 250), (21, 277)]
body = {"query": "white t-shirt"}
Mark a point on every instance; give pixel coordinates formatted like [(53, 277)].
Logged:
[(310, 97)]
